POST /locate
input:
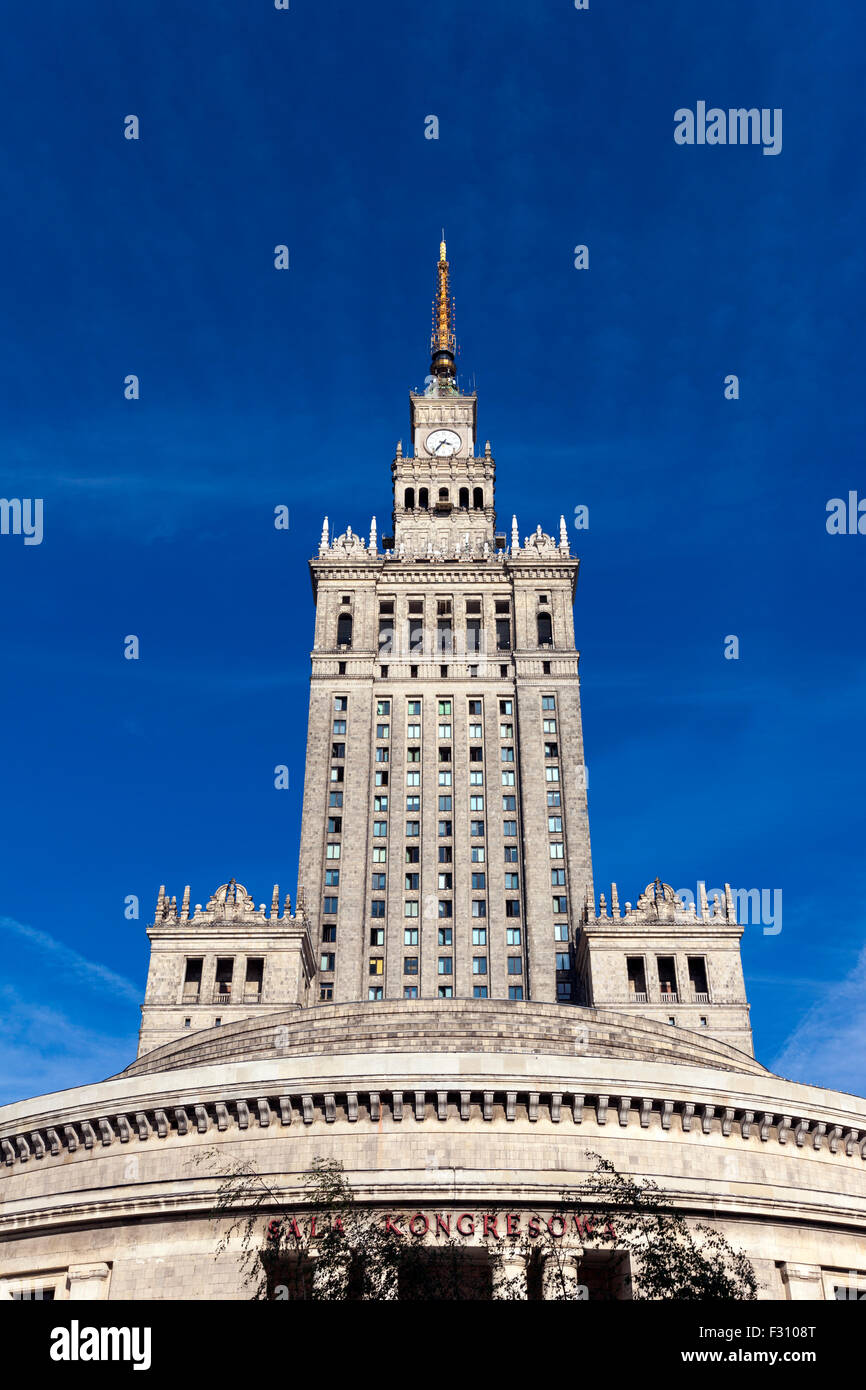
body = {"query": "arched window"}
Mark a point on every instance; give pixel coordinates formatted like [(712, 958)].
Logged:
[(545, 630), (344, 630), (478, 497), (443, 494), (423, 499), (409, 499), (464, 497)]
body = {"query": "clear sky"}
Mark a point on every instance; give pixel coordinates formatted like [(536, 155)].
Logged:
[(601, 387)]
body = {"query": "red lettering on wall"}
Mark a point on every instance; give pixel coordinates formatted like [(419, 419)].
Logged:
[(313, 1228), (296, 1230), (443, 1223), (576, 1220), (587, 1224), (419, 1216), (533, 1226), (466, 1216), (390, 1226), (608, 1227), (512, 1229), (561, 1219), (490, 1227)]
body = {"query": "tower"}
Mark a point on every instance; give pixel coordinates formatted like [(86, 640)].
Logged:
[(445, 840)]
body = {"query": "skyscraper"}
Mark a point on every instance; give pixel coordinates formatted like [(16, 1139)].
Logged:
[(445, 842)]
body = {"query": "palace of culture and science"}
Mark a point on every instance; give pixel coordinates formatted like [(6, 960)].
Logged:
[(448, 1011)]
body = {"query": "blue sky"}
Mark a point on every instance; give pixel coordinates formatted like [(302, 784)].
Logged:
[(601, 387)]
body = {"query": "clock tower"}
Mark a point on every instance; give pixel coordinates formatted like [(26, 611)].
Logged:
[(445, 839)]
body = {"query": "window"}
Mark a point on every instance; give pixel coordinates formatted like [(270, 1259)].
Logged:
[(445, 853), (512, 881), (554, 825), (554, 799), (446, 992), (443, 636), (445, 779), (505, 707), (479, 991), (667, 976), (326, 961), (411, 882), (380, 803), (478, 854), (506, 731), (479, 907), (515, 965), (551, 774), (551, 750), (473, 635), (512, 907), (476, 803), (476, 827), (380, 827), (410, 991), (548, 702), (476, 779), (410, 965), (341, 702), (410, 936), (562, 960), (377, 907), (478, 497), (479, 881), (344, 630), (476, 755), (560, 931), (381, 779), (510, 853), (512, 936), (335, 798), (413, 707), (338, 750), (509, 803), (475, 708), (329, 907), (475, 731), (326, 992), (383, 707), (545, 630), (329, 933), (503, 634), (412, 854), (413, 730), (413, 827), (549, 726), (445, 965), (479, 965), (560, 904), (187, 1023), (413, 779), (506, 755), (375, 992), (515, 991), (508, 779), (335, 825), (380, 854), (444, 707), (446, 882), (339, 726), (444, 828), (383, 755), (563, 990), (337, 774), (509, 827), (557, 877), (556, 849), (332, 851), (445, 803), (409, 499), (445, 936), (377, 936), (383, 730), (479, 936), (410, 908), (444, 730), (446, 909), (413, 755)]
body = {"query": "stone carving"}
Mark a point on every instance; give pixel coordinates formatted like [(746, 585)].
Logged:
[(540, 543)]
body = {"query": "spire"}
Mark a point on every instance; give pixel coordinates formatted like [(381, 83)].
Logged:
[(443, 344)]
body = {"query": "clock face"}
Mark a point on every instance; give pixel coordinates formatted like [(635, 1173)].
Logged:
[(442, 443)]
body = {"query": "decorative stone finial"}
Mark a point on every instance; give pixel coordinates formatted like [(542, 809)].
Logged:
[(184, 907), (323, 543), (515, 536), (275, 901), (563, 536), (373, 536), (487, 448), (287, 906), (399, 448)]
